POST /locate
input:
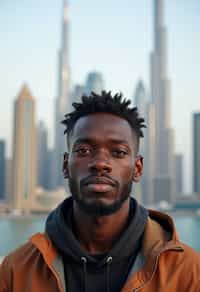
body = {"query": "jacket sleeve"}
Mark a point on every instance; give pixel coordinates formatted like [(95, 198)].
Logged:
[(5, 276)]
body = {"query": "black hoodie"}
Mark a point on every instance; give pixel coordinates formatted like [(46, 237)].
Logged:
[(101, 272)]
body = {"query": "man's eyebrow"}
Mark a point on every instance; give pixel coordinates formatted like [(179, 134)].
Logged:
[(90, 140), (119, 141), (83, 140)]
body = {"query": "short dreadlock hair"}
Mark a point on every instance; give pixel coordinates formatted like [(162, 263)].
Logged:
[(105, 102)]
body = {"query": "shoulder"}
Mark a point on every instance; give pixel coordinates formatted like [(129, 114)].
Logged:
[(25, 251), (13, 261), (37, 245), (182, 263), (28, 262), (191, 258)]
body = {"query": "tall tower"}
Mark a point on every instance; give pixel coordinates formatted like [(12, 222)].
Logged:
[(63, 98), (24, 150), (160, 91)]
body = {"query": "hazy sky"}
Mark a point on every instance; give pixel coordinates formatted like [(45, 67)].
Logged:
[(113, 37)]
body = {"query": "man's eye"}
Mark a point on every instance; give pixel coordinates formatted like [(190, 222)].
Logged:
[(119, 153), (83, 151)]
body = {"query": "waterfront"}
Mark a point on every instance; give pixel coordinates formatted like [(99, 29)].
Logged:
[(16, 230)]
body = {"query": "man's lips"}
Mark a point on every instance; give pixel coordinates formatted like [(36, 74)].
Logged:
[(99, 180), (99, 188), (99, 184)]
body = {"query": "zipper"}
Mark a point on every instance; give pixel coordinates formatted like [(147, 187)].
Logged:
[(178, 248)]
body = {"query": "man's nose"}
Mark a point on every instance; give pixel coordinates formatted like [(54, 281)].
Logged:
[(100, 162)]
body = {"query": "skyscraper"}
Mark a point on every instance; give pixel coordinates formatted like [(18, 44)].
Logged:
[(63, 103), (196, 152), (140, 100), (42, 155), (179, 173), (94, 82), (9, 181), (2, 170), (24, 150), (78, 91), (160, 92)]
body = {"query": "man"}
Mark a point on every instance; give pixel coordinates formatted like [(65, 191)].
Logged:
[(101, 239)]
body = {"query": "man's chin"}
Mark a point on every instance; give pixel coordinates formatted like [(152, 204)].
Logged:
[(99, 207)]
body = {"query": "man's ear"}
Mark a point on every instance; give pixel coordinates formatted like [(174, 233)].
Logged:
[(138, 168), (65, 165)]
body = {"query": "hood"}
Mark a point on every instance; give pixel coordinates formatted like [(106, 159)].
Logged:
[(59, 229)]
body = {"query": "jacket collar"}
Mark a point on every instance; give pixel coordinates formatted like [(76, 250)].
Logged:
[(156, 240)]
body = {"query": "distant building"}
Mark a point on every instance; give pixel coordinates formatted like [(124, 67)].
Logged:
[(50, 169), (94, 82), (63, 99), (24, 150), (164, 183), (179, 173), (42, 155), (2, 171), (149, 157), (140, 98), (77, 93), (196, 152), (9, 180)]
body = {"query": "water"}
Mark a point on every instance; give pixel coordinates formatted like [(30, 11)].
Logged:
[(14, 231)]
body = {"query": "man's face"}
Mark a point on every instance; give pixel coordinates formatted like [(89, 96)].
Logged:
[(102, 163)]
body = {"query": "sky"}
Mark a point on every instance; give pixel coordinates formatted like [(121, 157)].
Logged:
[(112, 37)]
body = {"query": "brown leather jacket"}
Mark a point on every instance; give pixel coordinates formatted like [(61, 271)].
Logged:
[(163, 264)]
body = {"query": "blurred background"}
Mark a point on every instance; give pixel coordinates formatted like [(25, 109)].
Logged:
[(52, 52)]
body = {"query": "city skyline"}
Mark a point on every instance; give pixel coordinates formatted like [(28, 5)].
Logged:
[(180, 93)]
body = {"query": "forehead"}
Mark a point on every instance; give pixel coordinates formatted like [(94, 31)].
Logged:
[(102, 126)]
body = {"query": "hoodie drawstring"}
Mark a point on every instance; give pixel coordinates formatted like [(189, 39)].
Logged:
[(108, 262), (84, 262)]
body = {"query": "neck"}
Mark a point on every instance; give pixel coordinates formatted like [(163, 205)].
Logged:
[(98, 234)]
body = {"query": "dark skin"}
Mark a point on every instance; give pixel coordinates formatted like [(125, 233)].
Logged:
[(101, 145)]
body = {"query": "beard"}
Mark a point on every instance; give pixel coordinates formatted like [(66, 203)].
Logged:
[(99, 208)]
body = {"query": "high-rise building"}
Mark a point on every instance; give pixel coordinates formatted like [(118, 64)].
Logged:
[(179, 173), (63, 103), (140, 100), (94, 82), (78, 91), (150, 156), (9, 181), (50, 168), (42, 155), (2, 170), (160, 92), (196, 152), (24, 150)]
